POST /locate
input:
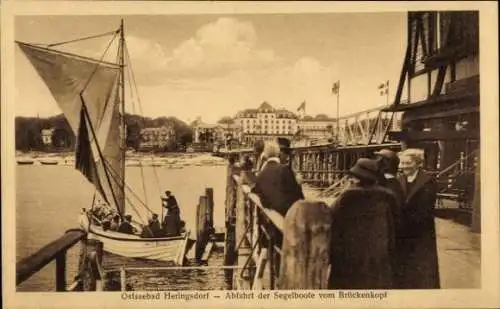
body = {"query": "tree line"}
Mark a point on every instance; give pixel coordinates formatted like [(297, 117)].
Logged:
[(28, 132)]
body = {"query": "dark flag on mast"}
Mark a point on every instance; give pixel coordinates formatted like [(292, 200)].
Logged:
[(384, 88), (336, 87)]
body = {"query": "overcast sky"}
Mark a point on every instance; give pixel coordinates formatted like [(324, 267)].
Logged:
[(213, 65)]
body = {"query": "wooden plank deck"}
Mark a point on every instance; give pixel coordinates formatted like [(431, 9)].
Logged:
[(459, 253)]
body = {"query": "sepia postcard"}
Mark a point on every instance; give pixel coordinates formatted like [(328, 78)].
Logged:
[(251, 154)]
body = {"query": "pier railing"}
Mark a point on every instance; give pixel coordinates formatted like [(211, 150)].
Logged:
[(260, 232), (277, 252), (89, 266)]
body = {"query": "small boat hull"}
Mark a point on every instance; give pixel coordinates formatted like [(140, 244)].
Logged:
[(21, 162), (49, 162), (167, 249)]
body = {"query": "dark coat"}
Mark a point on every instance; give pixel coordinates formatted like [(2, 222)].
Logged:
[(277, 187), (126, 228), (362, 242), (170, 201), (394, 185), (172, 222), (416, 246), (155, 228)]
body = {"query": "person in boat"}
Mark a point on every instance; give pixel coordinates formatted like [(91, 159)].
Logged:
[(276, 184), (172, 222), (155, 226), (115, 223), (126, 226), (84, 220), (169, 200), (146, 230)]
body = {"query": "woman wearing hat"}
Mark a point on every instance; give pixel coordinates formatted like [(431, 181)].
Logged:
[(362, 239), (416, 237)]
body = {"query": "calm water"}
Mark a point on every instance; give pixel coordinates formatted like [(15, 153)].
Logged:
[(49, 199)]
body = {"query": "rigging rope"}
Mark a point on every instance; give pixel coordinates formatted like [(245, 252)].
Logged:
[(98, 63), (126, 186), (133, 81), (140, 161), (82, 39)]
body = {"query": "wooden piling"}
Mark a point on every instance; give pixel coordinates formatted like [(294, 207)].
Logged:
[(123, 279), (61, 272), (90, 267), (306, 247), (209, 193)]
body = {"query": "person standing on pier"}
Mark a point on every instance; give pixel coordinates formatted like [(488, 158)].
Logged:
[(388, 169), (276, 184), (258, 149), (416, 246), (362, 232), (389, 164)]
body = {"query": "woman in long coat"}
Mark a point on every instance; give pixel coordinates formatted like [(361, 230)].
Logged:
[(417, 258)]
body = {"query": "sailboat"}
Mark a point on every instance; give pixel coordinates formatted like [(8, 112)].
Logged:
[(91, 94)]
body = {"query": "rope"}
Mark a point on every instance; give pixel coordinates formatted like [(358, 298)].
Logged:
[(128, 187), (140, 162), (100, 60), (82, 39), (139, 104)]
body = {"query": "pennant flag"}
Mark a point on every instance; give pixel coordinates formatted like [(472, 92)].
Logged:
[(302, 107), (384, 85), (336, 87)]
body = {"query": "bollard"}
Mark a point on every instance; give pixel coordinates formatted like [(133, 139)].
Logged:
[(306, 247), (123, 279)]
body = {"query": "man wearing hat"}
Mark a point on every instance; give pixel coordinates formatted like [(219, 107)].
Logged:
[(285, 150), (388, 167), (362, 234)]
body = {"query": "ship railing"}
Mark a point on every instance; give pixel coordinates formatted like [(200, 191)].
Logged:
[(56, 250)]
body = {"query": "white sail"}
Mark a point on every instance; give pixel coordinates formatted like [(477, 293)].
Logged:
[(86, 90)]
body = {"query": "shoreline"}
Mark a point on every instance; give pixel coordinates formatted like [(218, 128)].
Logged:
[(175, 160)]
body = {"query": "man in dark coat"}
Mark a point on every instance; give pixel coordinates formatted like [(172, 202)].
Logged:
[(276, 184), (126, 226), (389, 163), (362, 242), (388, 170), (169, 200), (155, 226), (416, 244), (172, 222)]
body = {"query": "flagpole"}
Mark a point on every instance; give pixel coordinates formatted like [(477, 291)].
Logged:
[(338, 116), (387, 94)]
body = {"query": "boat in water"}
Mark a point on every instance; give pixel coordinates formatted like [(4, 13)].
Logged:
[(91, 94), (25, 162), (49, 162)]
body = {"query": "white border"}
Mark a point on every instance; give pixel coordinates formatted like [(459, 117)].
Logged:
[(487, 296)]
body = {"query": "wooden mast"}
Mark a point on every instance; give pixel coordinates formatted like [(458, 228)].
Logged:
[(123, 145)]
